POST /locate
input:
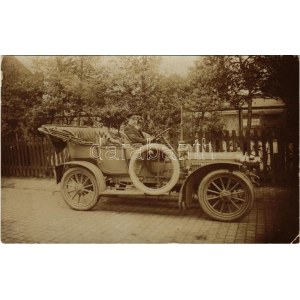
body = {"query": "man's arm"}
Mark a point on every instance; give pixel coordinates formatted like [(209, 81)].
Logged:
[(134, 135)]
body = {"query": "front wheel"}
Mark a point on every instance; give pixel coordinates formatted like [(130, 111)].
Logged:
[(79, 189), (225, 195)]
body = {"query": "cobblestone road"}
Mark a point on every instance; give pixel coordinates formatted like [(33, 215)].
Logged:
[(33, 211)]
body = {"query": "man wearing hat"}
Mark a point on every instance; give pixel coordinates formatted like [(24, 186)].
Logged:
[(132, 129)]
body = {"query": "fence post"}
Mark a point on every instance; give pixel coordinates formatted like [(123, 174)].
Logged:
[(247, 143), (31, 159), (14, 169), (255, 140), (227, 141), (18, 154), (272, 162), (281, 155), (242, 141), (43, 157), (264, 154), (234, 141)]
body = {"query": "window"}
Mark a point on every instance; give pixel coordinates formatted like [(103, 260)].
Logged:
[(255, 122)]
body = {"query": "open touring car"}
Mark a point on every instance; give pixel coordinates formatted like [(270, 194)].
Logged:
[(100, 164)]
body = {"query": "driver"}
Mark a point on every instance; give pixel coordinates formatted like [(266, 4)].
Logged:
[(133, 129)]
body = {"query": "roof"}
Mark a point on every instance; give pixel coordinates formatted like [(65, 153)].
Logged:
[(264, 103), (9, 62)]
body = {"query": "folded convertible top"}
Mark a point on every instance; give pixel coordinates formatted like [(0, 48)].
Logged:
[(61, 135)]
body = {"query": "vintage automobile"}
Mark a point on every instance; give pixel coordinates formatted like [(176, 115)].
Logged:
[(100, 164)]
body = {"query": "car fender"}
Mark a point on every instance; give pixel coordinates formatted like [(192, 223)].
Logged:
[(187, 188), (91, 167)]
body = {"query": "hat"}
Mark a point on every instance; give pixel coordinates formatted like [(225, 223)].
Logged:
[(134, 114)]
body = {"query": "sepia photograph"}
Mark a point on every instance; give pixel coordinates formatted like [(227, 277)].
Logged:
[(150, 149)]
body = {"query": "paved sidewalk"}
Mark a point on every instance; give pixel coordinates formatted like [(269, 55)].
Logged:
[(33, 211)]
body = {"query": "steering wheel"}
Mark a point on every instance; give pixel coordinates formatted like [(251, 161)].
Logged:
[(160, 134), (164, 138)]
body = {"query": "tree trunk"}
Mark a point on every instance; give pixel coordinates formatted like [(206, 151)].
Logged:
[(78, 119), (249, 119), (240, 112), (201, 122), (80, 91), (181, 122), (249, 123), (52, 118)]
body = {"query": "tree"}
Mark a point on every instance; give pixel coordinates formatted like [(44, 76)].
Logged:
[(167, 112), (206, 93), (245, 78), (20, 91), (134, 87), (219, 81), (283, 82), (113, 116), (72, 88)]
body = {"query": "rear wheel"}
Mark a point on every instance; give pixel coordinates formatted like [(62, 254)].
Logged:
[(226, 196), (79, 189)]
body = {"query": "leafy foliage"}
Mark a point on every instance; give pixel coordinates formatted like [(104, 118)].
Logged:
[(230, 81), (134, 87), (20, 91), (84, 90), (203, 99), (283, 83), (71, 86)]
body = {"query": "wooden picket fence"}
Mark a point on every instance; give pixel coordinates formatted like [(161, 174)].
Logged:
[(31, 158), (275, 154), (272, 149)]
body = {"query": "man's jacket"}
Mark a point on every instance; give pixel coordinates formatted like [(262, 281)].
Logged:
[(135, 135)]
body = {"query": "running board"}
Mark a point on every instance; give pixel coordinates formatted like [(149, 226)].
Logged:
[(134, 192)]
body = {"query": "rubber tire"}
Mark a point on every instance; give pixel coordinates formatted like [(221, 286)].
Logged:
[(91, 176), (247, 186), (139, 185)]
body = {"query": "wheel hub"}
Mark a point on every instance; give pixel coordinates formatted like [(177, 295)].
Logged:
[(79, 188), (225, 196)]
